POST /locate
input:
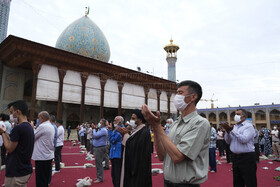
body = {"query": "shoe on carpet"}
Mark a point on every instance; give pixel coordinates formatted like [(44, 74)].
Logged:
[(97, 181), (106, 168), (277, 169), (218, 162), (212, 171), (263, 157), (56, 171)]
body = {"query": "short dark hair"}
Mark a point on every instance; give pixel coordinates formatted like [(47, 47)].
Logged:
[(2, 116), (139, 115), (194, 87), (244, 112), (103, 121), (19, 105), (6, 117), (60, 121), (52, 118)]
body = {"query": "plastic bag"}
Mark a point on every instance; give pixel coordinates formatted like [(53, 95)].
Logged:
[(84, 182)]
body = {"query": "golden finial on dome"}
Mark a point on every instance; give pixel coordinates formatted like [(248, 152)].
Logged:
[(87, 11), (171, 41)]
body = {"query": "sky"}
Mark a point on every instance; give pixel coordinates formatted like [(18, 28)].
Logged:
[(231, 48)]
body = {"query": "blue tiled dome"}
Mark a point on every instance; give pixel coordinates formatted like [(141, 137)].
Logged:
[(84, 37)]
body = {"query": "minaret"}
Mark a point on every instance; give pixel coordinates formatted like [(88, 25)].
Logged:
[(4, 17), (171, 59)]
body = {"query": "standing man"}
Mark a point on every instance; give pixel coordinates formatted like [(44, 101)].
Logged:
[(68, 131), (241, 140), (5, 119), (19, 145), (106, 159), (275, 143), (100, 145), (43, 149), (59, 145), (52, 120), (136, 169), (82, 134), (89, 134), (185, 150), (212, 150), (115, 139)]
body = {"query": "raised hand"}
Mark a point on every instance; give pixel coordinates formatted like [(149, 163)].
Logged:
[(227, 127), (150, 117), (110, 126), (122, 130), (2, 127)]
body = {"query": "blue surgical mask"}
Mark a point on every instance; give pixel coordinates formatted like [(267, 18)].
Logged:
[(99, 125), (38, 122), (167, 125)]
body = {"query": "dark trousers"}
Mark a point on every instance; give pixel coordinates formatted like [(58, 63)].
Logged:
[(228, 154), (82, 140), (88, 145), (170, 184), (57, 158), (221, 147), (244, 169), (42, 171), (3, 155), (212, 159), (257, 151), (116, 171)]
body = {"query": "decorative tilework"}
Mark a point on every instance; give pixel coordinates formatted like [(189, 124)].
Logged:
[(84, 37)]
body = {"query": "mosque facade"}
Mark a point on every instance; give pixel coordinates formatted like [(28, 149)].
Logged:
[(260, 115), (74, 80)]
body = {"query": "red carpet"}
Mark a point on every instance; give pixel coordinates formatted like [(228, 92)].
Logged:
[(74, 170)]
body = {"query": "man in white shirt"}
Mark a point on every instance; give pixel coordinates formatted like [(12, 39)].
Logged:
[(43, 149), (59, 144), (241, 140), (275, 142)]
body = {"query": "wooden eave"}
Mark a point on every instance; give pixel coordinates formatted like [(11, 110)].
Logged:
[(22, 53)]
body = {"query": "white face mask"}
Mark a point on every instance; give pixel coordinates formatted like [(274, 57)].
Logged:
[(274, 128), (179, 102), (12, 119), (132, 123), (237, 118), (115, 125)]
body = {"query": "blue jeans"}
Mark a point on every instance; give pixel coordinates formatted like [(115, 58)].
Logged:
[(212, 159)]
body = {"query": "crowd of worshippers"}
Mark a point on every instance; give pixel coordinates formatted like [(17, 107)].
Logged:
[(42, 141), (127, 144), (22, 140), (187, 146), (266, 143)]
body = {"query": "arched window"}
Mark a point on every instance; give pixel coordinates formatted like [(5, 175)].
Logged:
[(223, 116)]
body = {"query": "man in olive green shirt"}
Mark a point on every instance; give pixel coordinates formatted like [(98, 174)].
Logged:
[(185, 150)]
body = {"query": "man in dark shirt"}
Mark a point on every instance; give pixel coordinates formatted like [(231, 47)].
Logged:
[(136, 169), (19, 145)]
